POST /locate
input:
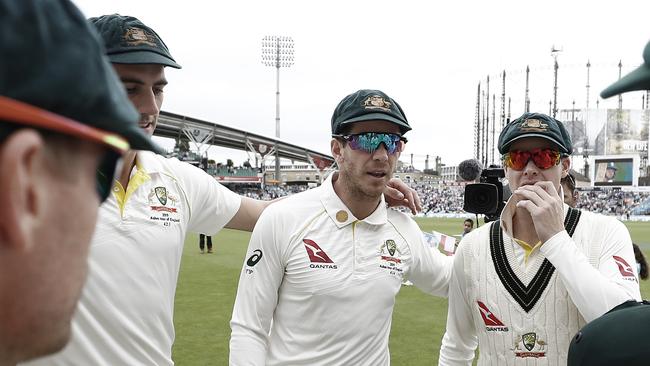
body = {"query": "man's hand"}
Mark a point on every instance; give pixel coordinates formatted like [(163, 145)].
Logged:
[(545, 206), (397, 193)]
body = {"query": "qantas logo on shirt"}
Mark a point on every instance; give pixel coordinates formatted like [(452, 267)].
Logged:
[(626, 271), (492, 323), (317, 255)]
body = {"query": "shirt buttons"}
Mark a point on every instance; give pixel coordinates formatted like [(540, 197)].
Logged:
[(116, 189), (342, 216)]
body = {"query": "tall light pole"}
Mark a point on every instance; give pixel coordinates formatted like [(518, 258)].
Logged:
[(554, 53), (277, 51)]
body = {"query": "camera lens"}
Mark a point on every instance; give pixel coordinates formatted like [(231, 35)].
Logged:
[(481, 198)]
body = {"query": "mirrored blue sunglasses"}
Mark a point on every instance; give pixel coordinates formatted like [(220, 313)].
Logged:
[(370, 141)]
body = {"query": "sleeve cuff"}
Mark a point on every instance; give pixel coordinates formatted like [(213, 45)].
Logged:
[(553, 246)]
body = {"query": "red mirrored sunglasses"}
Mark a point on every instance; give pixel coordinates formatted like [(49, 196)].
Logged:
[(542, 158)]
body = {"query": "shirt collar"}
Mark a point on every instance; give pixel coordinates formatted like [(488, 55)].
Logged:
[(341, 214), (148, 162)]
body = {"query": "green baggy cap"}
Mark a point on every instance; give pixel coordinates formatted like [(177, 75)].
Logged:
[(54, 60), (129, 41), (535, 125), (638, 79), (367, 105), (619, 337)]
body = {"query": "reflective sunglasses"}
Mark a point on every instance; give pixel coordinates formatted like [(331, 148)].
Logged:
[(542, 158), (14, 111), (370, 141)]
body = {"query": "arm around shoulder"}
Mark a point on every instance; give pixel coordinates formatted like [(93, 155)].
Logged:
[(248, 214)]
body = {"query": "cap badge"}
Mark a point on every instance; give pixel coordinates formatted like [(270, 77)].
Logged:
[(137, 36), (533, 125), (377, 102)]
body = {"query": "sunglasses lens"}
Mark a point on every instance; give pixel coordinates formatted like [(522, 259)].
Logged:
[(517, 160), (106, 174), (543, 158), (369, 142)]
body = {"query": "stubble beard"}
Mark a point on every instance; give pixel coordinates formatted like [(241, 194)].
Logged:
[(356, 188)]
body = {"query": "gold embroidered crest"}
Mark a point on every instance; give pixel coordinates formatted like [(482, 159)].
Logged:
[(137, 36), (533, 125), (377, 102)]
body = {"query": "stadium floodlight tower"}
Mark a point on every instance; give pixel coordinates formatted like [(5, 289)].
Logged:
[(277, 51)]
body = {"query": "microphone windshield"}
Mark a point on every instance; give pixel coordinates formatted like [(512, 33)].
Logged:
[(470, 169)]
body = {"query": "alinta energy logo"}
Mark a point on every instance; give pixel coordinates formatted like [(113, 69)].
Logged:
[(317, 256), (626, 270), (492, 323)]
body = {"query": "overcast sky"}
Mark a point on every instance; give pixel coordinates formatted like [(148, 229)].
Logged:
[(429, 56)]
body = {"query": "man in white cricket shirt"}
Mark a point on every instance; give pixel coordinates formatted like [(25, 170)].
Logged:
[(523, 285), (324, 266)]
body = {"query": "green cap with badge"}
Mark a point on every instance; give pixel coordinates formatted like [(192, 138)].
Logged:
[(54, 73), (619, 337), (535, 125), (129, 41), (638, 79), (368, 105)]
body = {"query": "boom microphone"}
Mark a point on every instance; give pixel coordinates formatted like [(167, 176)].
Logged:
[(470, 169)]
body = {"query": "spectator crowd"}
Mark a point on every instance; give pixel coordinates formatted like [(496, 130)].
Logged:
[(449, 198), (611, 202)]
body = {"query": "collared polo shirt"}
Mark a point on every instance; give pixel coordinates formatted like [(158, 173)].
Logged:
[(125, 314), (318, 285)]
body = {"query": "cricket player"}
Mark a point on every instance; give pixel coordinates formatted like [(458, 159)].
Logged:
[(125, 315), (522, 286), (324, 266), (61, 136)]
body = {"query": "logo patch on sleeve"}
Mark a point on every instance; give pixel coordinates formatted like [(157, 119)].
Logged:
[(626, 271), (253, 260)]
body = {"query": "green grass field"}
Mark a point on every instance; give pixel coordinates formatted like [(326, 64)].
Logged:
[(208, 283)]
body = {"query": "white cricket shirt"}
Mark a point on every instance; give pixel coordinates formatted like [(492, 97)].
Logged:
[(125, 313), (318, 286)]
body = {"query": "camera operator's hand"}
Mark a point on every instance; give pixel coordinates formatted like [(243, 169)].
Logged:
[(545, 206)]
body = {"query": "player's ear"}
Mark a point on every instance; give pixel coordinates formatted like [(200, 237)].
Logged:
[(19, 180), (566, 165), (336, 147)]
